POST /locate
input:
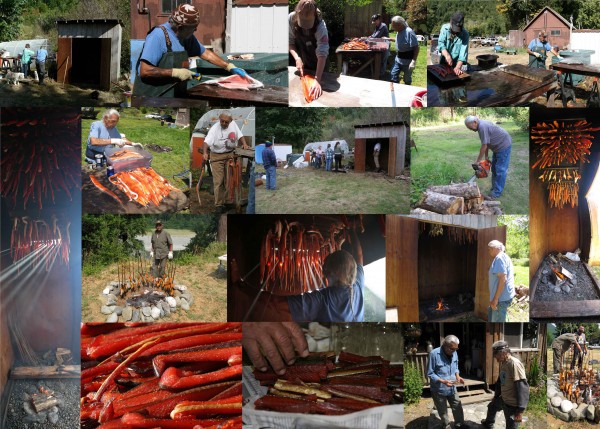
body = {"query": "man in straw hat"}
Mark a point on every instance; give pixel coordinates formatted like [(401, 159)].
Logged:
[(166, 54), (511, 391)]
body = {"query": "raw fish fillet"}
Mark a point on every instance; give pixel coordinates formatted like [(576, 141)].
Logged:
[(236, 82), (307, 81)]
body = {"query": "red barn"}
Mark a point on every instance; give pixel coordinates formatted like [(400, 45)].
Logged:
[(550, 21)]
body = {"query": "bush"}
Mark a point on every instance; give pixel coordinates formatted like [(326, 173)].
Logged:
[(535, 374), (413, 384)]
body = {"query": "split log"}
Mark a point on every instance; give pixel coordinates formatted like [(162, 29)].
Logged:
[(465, 190), (420, 211), (64, 371), (41, 403), (441, 203)]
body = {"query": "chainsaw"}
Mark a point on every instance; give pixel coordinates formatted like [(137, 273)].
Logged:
[(482, 169)]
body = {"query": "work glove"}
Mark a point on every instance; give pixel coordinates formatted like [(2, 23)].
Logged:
[(536, 54), (559, 58), (117, 142), (182, 74), (236, 70), (412, 65), (151, 254), (170, 255)]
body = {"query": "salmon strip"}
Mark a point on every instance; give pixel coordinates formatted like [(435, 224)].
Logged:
[(104, 189), (307, 82), (236, 82)]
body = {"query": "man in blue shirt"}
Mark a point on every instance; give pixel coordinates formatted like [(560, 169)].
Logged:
[(381, 32), (166, 52), (104, 134), (40, 61), (407, 51), (453, 43), (443, 374), (537, 49), (270, 164), (501, 283)]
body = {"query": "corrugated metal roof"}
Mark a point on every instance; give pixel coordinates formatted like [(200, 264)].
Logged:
[(383, 124)]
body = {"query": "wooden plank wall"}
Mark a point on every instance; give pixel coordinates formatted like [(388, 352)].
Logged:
[(468, 220), (420, 360), (397, 144), (360, 154), (6, 354), (402, 291), (482, 293), (357, 20), (395, 164), (64, 59), (493, 334)]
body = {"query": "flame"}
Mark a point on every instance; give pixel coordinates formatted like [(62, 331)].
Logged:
[(441, 306), (560, 275)]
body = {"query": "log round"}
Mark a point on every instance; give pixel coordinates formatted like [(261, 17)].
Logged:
[(441, 203), (465, 190)]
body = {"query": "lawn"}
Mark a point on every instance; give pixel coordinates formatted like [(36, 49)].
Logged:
[(420, 73), (444, 154), (199, 273), (149, 131), (317, 191)]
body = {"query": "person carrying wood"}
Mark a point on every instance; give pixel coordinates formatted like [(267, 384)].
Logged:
[(537, 50), (560, 345), (501, 282), (577, 354), (443, 373), (511, 391), (497, 140), (453, 43)]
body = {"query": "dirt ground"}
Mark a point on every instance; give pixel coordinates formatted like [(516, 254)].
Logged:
[(206, 283), (30, 94)]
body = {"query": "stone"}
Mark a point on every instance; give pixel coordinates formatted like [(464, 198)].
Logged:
[(185, 305), (107, 309), (166, 308), (180, 287), (578, 413), (106, 290), (557, 289), (135, 317), (566, 406), (177, 293), (127, 313), (551, 392), (155, 312), (118, 310), (28, 407), (53, 418), (566, 288), (112, 318), (171, 301), (178, 301), (589, 412), (146, 311), (556, 401), (565, 417), (114, 284)]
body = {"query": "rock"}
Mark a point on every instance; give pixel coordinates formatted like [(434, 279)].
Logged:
[(185, 305), (574, 281), (178, 301), (53, 418), (106, 290), (28, 407), (579, 412), (557, 289), (135, 317), (551, 392), (107, 309), (127, 313), (53, 410), (171, 301), (166, 308), (111, 296), (589, 412), (566, 288), (118, 310), (565, 417), (177, 293), (114, 284), (112, 318), (155, 313), (186, 296), (146, 311), (566, 406), (180, 287), (556, 401)]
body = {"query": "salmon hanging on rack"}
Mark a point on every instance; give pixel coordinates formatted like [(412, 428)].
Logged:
[(307, 83)]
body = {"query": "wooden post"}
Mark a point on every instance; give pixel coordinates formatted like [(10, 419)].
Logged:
[(65, 75)]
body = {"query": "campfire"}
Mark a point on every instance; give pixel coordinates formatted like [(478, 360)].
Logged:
[(135, 274), (441, 306)]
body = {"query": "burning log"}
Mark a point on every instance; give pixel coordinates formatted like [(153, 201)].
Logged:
[(441, 203), (441, 306)]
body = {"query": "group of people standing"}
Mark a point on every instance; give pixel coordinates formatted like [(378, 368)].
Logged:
[(331, 157), (40, 56)]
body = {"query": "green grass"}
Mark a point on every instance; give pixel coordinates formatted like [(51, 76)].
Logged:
[(521, 275), (419, 75), (148, 131), (446, 152)]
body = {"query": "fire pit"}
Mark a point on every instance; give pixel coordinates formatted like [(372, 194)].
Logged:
[(447, 308)]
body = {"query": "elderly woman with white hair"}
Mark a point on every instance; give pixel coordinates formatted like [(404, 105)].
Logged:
[(501, 282), (104, 134), (443, 374), (497, 140), (407, 51)]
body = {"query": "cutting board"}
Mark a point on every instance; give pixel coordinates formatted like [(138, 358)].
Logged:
[(539, 75), (450, 78)]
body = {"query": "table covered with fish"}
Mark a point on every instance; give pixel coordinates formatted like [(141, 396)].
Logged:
[(129, 184), (348, 91), (366, 49)]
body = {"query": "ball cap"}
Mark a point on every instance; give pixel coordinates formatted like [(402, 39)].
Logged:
[(375, 17), (499, 346), (158, 222), (457, 21), (267, 144), (186, 14)]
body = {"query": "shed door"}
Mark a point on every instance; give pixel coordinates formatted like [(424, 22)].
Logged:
[(402, 273), (393, 157), (360, 153), (482, 292), (64, 59)]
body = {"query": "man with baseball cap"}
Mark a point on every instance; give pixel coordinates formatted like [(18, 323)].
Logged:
[(453, 43), (381, 31), (309, 42), (537, 49), (511, 391), (162, 248), (166, 54)]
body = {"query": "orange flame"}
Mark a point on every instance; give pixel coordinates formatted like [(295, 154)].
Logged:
[(441, 306)]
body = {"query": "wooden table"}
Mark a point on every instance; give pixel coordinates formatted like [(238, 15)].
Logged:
[(374, 58), (488, 88), (348, 91), (96, 201), (566, 72)]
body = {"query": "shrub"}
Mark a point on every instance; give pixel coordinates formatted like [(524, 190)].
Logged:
[(413, 384)]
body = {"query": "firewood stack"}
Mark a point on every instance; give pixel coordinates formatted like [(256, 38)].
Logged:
[(456, 198)]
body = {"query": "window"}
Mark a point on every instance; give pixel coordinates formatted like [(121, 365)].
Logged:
[(521, 335), (167, 6), (555, 32)]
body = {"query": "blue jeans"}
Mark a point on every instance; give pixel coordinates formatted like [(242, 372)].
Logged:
[(499, 315), (395, 73), (250, 208), (384, 58), (500, 161), (25, 68), (271, 172), (328, 164)]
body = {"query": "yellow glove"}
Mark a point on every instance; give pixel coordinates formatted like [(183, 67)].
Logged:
[(182, 74)]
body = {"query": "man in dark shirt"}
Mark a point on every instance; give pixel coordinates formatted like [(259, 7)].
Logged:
[(162, 248), (381, 30), (270, 163)]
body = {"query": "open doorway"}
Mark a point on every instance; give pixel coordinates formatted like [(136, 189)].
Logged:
[(383, 154)]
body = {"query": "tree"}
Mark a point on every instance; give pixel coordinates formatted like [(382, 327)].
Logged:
[(206, 232), (11, 18), (589, 14), (296, 127), (416, 14)]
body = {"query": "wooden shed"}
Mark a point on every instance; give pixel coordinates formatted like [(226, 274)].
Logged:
[(553, 230), (550, 21), (89, 52), (393, 137), (527, 342), (429, 262)]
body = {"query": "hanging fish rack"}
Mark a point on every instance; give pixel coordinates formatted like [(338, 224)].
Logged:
[(561, 146), (43, 241), (457, 234), (292, 254), (134, 274)]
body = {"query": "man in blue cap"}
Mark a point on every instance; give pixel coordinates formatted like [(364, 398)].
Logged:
[(270, 163)]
